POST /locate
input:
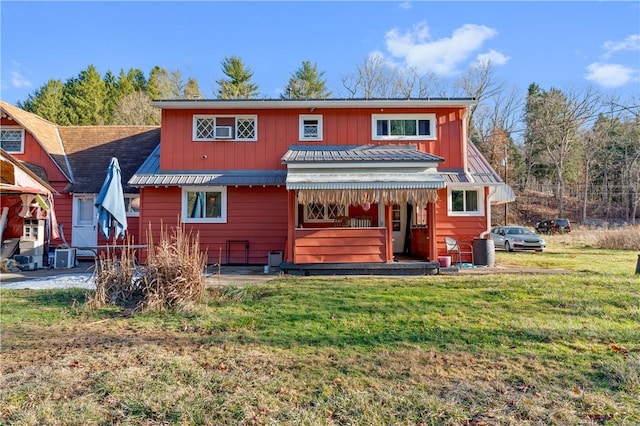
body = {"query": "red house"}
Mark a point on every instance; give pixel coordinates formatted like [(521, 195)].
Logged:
[(73, 161), (339, 181)]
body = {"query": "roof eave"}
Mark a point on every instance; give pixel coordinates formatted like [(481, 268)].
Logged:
[(311, 103)]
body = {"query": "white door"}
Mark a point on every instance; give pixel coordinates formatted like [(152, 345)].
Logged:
[(84, 223), (398, 224)]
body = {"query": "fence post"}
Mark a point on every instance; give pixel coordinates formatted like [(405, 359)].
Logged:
[(638, 265)]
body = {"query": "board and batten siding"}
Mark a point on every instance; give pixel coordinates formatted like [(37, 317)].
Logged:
[(255, 214), (278, 130)]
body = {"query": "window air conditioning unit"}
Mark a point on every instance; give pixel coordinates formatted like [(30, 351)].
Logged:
[(65, 258), (224, 132)]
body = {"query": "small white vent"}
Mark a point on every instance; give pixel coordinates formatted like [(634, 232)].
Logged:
[(224, 132)]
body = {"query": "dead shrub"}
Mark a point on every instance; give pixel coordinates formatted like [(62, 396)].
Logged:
[(118, 279), (173, 277)]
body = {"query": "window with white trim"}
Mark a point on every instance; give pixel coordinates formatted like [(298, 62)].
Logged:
[(310, 127), (317, 212), (403, 126), (465, 202), (12, 139), (204, 204), (132, 204), (225, 127)]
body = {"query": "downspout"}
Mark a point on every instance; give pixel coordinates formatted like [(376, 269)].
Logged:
[(492, 191)]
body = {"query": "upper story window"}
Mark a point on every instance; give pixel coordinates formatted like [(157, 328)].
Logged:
[(225, 127), (403, 126), (310, 128), (12, 139), (465, 202), (204, 204), (317, 212)]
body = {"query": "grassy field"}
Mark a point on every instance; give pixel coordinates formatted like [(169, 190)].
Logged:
[(497, 349)]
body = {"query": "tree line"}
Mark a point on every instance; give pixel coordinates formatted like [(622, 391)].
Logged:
[(549, 137)]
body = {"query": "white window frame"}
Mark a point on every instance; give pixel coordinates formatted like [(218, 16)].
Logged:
[(21, 130), (223, 210), (480, 193), (325, 215), (432, 126), (302, 119), (129, 198), (197, 117)]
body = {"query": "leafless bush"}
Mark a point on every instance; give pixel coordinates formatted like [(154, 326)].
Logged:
[(118, 280), (172, 279), (174, 276)]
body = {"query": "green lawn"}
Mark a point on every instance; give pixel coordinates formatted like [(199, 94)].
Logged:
[(446, 350)]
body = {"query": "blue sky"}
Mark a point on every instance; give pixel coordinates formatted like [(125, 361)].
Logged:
[(554, 44)]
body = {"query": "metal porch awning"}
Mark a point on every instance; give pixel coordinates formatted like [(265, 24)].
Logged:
[(355, 175)]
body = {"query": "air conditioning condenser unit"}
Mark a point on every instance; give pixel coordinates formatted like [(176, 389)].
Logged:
[(65, 258)]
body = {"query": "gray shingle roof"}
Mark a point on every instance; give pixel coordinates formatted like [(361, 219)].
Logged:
[(90, 148)]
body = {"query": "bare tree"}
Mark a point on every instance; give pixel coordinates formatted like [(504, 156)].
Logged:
[(553, 121), (135, 109), (374, 78)]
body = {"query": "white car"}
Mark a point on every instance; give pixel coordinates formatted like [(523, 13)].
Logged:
[(517, 238)]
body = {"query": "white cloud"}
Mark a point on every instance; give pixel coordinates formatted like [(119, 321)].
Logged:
[(492, 56), (406, 5), (609, 75), (630, 43), (442, 56), (18, 80)]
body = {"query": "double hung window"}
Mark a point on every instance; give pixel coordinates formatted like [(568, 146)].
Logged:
[(204, 204), (465, 202)]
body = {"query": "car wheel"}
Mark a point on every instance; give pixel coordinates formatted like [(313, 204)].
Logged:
[(507, 246)]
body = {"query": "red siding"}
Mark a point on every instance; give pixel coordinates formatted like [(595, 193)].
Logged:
[(278, 129), (340, 245), (255, 214), (462, 228)]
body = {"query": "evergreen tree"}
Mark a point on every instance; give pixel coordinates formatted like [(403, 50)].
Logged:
[(306, 83), (47, 102), (238, 85), (192, 90), (112, 95), (158, 84), (85, 96)]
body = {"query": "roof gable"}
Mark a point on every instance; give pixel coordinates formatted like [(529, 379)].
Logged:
[(45, 133)]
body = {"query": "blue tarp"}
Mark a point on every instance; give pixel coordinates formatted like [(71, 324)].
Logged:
[(110, 203)]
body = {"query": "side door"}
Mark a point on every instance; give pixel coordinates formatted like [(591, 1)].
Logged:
[(84, 232), (398, 224)]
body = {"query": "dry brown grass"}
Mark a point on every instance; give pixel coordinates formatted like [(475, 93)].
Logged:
[(173, 277), (623, 238)]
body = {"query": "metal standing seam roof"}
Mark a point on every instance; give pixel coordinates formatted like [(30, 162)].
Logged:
[(396, 167), (149, 175), (351, 153), (480, 172)]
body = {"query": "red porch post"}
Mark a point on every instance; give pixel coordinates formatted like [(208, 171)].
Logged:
[(291, 225), (388, 223), (432, 245)]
